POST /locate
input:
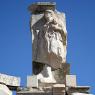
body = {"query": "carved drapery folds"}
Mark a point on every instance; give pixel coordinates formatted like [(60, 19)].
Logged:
[(49, 38)]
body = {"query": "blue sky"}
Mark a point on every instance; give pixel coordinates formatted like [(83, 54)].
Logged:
[(15, 38)]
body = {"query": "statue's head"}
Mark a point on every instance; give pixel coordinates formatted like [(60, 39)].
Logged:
[(49, 15)]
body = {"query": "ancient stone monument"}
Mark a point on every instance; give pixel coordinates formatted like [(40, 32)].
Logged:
[(49, 43), (51, 72)]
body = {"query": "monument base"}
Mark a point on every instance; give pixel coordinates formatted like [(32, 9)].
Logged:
[(57, 89), (69, 88)]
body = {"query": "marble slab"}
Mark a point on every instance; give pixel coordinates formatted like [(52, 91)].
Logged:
[(4, 90), (9, 80)]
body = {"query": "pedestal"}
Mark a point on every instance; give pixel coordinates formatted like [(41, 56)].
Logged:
[(58, 89)]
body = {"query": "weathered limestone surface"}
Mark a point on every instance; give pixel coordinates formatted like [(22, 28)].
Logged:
[(78, 89), (57, 89), (71, 81), (49, 93), (40, 7), (60, 74), (9, 80), (49, 40), (32, 81), (4, 90), (80, 94), (51, 74), (51, 36)]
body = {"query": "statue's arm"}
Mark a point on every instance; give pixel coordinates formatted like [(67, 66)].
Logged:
[(56, 27)]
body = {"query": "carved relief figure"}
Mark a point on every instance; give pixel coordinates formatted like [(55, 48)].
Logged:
[(51, 41)]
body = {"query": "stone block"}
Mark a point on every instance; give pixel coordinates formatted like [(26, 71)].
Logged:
[(58, 88), (32, 81), (61, 73), (55, 89), (80, 94), (4, 90), (40, 93), (78, 89), (61, 93), (9, 80), (40, 7), (33, 93), (71, 80)]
